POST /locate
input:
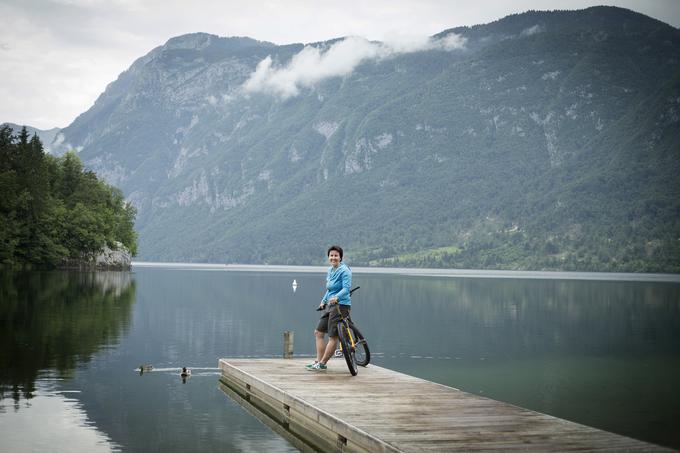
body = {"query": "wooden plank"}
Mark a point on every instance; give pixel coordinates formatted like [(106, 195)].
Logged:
[(382, 410)]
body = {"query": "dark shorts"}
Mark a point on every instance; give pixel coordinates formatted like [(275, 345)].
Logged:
[(329, 321)]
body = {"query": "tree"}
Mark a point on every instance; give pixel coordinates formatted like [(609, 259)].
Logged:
[(52, 209)]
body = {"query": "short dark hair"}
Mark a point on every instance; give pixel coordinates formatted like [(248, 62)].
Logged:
[(337, 248)]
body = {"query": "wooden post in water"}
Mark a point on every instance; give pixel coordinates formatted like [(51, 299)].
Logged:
[(288, 339)]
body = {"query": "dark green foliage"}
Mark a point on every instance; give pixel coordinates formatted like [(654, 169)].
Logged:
[(52, 210)]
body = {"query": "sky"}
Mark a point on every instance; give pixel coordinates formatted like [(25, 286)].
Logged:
[(58, 56)]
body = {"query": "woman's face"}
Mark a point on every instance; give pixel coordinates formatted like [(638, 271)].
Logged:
[(334, 258)]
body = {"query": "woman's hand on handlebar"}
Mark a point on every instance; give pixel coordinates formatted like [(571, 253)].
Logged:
[(331, 301)]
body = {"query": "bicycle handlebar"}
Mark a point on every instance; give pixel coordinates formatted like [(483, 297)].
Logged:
[(322, 307)]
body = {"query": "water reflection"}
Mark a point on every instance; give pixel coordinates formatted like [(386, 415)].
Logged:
[(63, 425), (574, 349), (477, 318), (181, 319), (606, 354), (51, 322)]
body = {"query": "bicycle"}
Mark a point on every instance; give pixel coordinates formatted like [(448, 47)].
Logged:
[(353, 344)]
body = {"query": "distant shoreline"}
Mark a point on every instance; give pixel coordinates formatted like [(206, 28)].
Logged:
[(418, 272)]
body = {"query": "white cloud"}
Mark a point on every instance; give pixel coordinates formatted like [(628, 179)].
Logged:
[(453, 41), (531, 30), (50, 75), (57, 56), (311, 65), (316, 63)]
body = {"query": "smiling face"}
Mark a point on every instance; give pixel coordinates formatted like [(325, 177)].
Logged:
[(334, 258)]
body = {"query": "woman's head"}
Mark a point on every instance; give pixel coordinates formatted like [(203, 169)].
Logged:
[(334, 251)]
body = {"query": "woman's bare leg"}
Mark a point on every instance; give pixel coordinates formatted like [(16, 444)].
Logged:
[(330, 349), (320, 345)]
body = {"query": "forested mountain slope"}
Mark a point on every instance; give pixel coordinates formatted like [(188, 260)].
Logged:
[(545, 140)]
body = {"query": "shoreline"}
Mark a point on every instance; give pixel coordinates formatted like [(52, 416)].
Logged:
[(421, 272)]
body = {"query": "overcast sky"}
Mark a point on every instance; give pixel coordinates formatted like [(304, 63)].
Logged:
[(57, 56)]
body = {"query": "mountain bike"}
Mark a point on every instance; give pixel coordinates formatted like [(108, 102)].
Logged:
[(353, 344)]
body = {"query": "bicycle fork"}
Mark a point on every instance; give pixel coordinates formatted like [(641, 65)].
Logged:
[(351, 338)]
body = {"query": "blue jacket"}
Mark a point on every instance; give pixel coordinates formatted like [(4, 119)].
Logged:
[(338, 284)]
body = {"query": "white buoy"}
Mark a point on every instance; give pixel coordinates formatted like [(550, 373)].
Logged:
[(295, 285)]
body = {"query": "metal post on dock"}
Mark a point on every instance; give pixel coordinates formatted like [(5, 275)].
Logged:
[(288, 339)]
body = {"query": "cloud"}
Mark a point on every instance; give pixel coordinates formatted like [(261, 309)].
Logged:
[(56, 71), (311, 65), (532, 30), (316, 63), (452, 41), (76, 47)]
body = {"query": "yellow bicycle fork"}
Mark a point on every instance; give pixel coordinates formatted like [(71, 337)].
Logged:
[(351, 339)]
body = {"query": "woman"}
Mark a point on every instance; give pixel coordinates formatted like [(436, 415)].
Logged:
[(338, 284)]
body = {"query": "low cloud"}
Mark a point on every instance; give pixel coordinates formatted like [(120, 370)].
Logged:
[(314, 64), (532, 30)]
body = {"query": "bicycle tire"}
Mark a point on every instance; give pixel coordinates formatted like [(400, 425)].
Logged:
[(362, 354), (347, 350)]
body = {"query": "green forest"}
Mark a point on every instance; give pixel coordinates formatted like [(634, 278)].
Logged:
[(53, 212)]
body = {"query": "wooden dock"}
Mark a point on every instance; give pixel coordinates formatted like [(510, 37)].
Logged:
[(383, 411)]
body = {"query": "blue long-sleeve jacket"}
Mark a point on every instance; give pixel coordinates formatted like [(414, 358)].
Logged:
[(338, 284)]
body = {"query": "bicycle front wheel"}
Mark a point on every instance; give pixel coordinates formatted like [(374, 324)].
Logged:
[(362, 354), (347, 349)]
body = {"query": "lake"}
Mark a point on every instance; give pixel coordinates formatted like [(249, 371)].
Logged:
[(602, 353)]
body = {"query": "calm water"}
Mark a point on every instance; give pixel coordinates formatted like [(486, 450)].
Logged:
[(606, 354)]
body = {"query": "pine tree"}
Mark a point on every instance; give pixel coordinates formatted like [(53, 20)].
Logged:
[(51, 209)]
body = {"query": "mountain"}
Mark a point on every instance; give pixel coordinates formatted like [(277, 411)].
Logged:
[(50, 137), (544, 140)]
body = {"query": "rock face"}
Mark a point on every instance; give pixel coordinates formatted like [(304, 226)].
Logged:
[(117, 258)]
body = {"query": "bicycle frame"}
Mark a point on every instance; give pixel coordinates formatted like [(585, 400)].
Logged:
[(349, 330), (353, 339)]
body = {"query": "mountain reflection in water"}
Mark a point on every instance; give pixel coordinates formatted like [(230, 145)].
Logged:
[(50, 322), (602, 353)]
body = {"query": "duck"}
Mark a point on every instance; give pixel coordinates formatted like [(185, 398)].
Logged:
[(185, 372), (143, 368)]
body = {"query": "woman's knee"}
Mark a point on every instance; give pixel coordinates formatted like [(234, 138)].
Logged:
[(318, 334)]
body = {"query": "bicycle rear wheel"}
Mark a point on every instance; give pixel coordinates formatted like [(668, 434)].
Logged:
[(362, 354), (347, 350)]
